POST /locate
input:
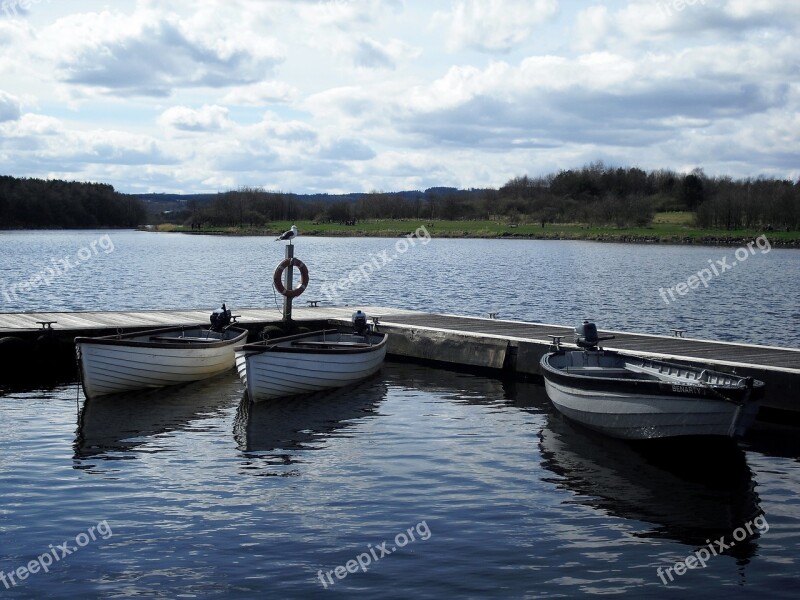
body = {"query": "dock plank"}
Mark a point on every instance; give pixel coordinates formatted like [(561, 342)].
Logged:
[(10, 322)]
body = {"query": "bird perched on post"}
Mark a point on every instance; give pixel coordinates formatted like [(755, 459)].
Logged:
[(288, 235)]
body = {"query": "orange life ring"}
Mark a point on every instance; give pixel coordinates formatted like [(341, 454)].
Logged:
[(277, 278)]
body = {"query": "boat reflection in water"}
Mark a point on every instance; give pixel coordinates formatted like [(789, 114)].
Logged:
[(111, 427), (773, 439), (270, 432), (690, 492), (465, 387)]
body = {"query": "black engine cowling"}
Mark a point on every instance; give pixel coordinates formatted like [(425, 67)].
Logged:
[(220, 318), (360, 325), (586, 336)]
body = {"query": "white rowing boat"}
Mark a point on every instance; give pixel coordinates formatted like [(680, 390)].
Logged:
[(156, 358), (638, 398), (309, 362)]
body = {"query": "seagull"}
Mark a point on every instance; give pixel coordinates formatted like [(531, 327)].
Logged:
[(288, 235)]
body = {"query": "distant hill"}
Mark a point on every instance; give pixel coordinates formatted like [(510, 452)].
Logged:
[(151, 198), (177, 201), (254, 205)]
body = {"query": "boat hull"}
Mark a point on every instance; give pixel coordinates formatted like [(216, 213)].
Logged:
[(118, 365), (638, 408), (273, 371)]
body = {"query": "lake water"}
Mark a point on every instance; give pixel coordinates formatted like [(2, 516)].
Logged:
[(559, 282), (476, 486)]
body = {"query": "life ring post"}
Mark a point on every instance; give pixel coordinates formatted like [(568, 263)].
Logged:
[(287, 300), (283, 277)]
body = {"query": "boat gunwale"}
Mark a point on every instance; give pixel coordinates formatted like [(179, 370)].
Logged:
[(274, 345), (664, 388), (126, 339)]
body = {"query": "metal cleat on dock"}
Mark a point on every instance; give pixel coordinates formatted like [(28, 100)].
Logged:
[(555, 341)]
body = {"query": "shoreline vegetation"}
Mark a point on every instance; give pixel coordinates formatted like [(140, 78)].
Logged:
[(666, 228), (596, 202)]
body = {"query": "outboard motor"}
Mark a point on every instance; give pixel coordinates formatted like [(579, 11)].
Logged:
[(360, 322), (220, 318), (586, 336)]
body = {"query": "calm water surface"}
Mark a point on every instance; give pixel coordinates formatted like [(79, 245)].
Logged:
[(194, 492), (206, 495), (560, 282)]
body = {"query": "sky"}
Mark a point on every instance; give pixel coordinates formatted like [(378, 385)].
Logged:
[(345, 96)]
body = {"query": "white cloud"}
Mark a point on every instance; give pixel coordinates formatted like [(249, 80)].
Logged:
[(748, 10), (117, 147), (274, 128), (345, 14), (601, 100), (371, 54), (150, 54), (29, 136), (207, 118), (667, 23), (9, 107), (350, 107), (43, 145), (258, 94), (346, 149), (592, 27), (494, 25), (347, 95)]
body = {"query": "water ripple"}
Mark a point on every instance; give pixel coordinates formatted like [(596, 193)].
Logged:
[(211, 496)]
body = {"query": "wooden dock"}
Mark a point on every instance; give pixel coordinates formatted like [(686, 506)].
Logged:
[(98, 320), (510, 346)]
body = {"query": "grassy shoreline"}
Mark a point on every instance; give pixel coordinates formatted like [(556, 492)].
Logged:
[(666, 228)]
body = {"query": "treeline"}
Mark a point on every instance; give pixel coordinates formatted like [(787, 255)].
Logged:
[(55, 204), (750, 204), (594, 194), (601, 195), (248, 206)]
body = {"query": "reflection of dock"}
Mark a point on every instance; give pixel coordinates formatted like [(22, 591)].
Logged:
[(466, 341), (689, 494)]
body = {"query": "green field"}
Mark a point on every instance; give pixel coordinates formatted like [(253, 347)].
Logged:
[(670, 227)]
